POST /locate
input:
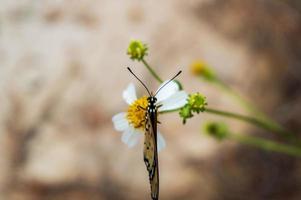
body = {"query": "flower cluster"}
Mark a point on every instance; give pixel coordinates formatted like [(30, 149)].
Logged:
[(137, 50), (196, 103)]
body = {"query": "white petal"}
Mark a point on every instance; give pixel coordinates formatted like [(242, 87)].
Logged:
[(178, 100), (129, 94), (126, 135), (131, 137), (120, 122), (167, 90), (134, 139), (161, 144)]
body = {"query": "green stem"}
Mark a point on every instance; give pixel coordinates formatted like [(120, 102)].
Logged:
[(257, 122), (170, 111), (238, 98), (252, 120), (266, 144), (247, 105), (150, 69)]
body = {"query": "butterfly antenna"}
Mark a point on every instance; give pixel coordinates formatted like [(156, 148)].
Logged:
[(168, 82), (139, 80)]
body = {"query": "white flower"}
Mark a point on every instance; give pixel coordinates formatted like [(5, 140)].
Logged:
[(131, 123)]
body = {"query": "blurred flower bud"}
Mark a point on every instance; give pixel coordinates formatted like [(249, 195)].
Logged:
[(218, 130), (200, 68), (137, 50), (195, 103)]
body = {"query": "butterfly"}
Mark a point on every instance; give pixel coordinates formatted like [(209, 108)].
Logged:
[(150, 152)]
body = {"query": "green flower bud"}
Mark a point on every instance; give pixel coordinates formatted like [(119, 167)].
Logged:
[(195, 103), (218, 130), (137, 50)]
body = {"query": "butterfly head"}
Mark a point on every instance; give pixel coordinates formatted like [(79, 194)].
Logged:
[(152, 100)]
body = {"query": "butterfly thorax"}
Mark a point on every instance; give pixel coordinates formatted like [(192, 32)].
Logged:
[(151, 115), (151, 107)]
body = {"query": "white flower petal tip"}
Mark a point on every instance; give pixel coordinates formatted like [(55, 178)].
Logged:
[(161, 144), (178, 100), (167, 91), (130, 137), (120, 122), (129, 94)]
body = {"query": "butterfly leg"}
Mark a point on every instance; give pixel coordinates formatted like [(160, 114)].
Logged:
[(141, 107)]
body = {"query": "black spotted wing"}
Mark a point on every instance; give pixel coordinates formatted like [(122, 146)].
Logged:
[(150, 152)]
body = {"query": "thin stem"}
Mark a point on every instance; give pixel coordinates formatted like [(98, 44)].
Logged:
[(247, 105), (170, 111), (266, 144), (150, 69), (238, 98), (257, 122), (252, 120)]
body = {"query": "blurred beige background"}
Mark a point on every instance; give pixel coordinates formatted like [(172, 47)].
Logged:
[(63, 70)]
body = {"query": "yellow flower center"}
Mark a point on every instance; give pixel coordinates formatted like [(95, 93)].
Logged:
[(136, 113)]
